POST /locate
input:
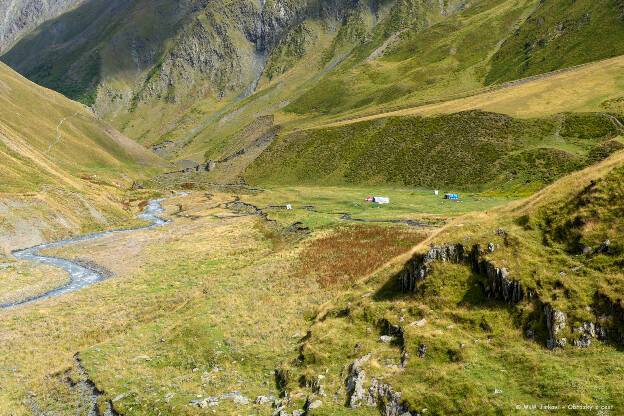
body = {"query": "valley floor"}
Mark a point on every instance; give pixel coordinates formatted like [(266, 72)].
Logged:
[(239, 297), (207, 305)]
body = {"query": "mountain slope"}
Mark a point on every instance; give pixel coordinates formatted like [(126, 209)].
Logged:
[(470, 150), (467, 322), (191, 85), (19, 17), (63, 170)]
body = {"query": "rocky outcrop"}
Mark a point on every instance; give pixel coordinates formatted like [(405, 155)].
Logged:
[(354, 383), (555, 323), (388, 401), (378, 394), (500, 285)]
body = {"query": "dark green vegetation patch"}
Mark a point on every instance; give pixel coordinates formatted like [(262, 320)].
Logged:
[(471, 150)]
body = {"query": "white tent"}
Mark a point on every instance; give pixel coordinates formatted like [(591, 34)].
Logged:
[(381, 200)]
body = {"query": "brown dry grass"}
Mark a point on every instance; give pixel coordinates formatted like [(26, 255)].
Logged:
[(354, 251)]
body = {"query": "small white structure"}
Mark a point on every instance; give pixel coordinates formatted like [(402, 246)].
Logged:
[(436, 192), (288, 206), (381, 200)]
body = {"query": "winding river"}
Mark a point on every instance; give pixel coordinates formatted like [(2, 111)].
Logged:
[(81, 276)]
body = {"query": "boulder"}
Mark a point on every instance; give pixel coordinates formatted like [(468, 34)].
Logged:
[(604, 247), (315, 405), (262, 400)]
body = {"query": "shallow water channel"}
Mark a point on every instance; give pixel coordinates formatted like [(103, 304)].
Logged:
[(81, 276)]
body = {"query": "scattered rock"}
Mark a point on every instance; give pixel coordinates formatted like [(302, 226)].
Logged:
[(491, 247), (205, 403), (237, 397), (422, 350), (497, 391), (279, 412), (315, 405), (587, 250), (422, 322), (386, 339), (121, 396), (389, 402), (604, 247), (404, 357), (588, 331), (530, 334), (500, 232), (297, 335)]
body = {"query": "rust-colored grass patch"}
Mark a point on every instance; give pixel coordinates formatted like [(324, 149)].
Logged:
[(354, 251)]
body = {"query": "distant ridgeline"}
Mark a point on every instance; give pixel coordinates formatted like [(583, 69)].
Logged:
[(209, 68)]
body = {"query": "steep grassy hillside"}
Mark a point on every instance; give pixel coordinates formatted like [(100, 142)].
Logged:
[(470, 150), (208, 70), (526, 317), (559, 35), (64, 171)]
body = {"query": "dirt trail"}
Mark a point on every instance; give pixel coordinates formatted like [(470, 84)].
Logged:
[(82, 276), (59, 134)]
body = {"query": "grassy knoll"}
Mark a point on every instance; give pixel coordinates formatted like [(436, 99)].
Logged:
[(65, 172), (471, 150), (482, 355)]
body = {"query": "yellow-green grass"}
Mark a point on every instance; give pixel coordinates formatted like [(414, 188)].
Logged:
[(21, 280), (47, 138), (328, 204), (478, 359), (579, 89), (208, 291), (64, 171)]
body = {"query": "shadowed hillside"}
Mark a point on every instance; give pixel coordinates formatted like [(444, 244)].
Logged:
[(63, 169)]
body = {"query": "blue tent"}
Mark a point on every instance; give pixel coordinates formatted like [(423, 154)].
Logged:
[(451, 196)]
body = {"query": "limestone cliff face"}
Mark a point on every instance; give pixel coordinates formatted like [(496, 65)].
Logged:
[(18, 17)]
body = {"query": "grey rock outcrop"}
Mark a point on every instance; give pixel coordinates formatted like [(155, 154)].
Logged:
[(389, 401), (355, 382), (500, 286), (555, 323)]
